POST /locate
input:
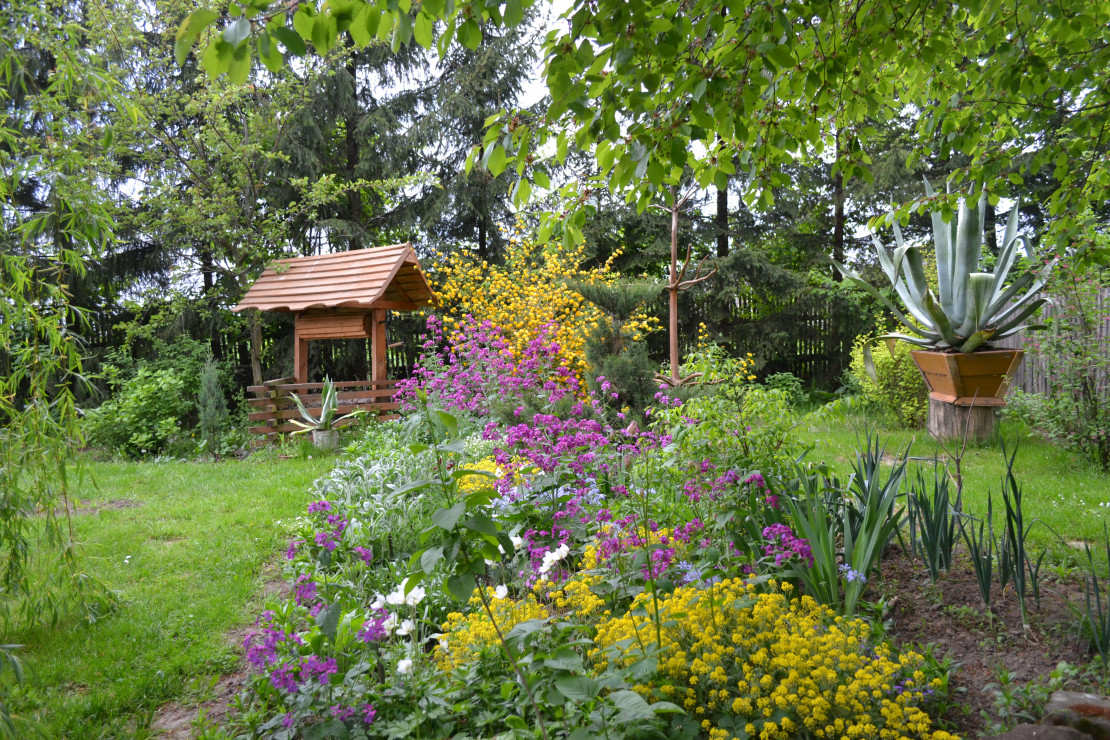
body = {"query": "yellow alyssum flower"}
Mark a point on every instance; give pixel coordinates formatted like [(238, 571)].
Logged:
[(780, 665)]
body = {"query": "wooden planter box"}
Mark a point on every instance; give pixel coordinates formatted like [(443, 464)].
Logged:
[(965, 379), (966, 390)]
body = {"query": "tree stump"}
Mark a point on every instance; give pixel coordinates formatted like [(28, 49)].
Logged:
[(948, 421)]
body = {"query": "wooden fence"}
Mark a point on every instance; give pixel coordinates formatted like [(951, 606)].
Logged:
[(1032, 376), (273, 408)]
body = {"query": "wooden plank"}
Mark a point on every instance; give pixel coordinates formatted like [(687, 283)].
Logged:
[(302, 387), (342, 409), (287, 428), (313, 400)]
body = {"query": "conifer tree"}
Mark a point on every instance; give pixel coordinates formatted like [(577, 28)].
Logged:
[(211, 407)]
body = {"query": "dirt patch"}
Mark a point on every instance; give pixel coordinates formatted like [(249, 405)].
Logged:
[(951, 616), (85, 507), (175, 720)]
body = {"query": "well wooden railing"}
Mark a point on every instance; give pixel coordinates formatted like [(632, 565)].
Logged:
[(273, 408)]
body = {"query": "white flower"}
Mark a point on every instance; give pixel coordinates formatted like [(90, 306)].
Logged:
[(378, 603), (404, 666), (517, 541), (390, 623), (415, 596), (397, 597), (501, 592), (406, 628), (550, 558)]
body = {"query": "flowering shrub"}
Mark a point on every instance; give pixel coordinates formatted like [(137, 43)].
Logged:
[(527, 292), (477, 367)]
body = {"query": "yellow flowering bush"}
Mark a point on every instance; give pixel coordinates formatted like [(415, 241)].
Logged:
[(466, 637), (527, 292), (764, 665)]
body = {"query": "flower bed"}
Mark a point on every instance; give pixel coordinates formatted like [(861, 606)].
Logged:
[(550, 573)]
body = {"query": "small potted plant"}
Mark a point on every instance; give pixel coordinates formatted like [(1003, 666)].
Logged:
[(324, 434), (970, 308)]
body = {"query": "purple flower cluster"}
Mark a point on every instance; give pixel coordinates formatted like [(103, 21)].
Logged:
[(477, 364), (704, 485), (769, 499), (304, 592), (783, 545)]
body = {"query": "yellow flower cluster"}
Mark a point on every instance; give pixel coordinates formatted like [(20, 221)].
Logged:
[(764, 665), (466, 637), (527, 291), (470, 483)]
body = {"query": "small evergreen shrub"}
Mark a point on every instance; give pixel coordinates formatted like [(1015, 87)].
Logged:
[(897, 388), (211, 407)]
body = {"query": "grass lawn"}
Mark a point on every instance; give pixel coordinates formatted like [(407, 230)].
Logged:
[(188, 546), (1059, 489)]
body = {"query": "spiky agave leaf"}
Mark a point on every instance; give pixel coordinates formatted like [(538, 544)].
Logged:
[(970, 307)]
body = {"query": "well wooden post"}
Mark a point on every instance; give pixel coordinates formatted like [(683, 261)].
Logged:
[(300, 352), (379, 368)]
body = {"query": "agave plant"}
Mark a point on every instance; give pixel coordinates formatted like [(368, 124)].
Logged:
[(329, 404), (970, 307)]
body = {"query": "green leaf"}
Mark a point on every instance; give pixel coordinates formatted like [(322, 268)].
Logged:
[(303, 23), (542, 179), (293, 43), (514, 12), (422, 30), (461, 586), (402, 32), (434, 8), (469, 34), (237, 32), (516, 723), (188, 31), (497, 160), (448, 518), (450, 422), (578, 688), (324, 33), (269, 54), (631, 705), (430, 558), (328, 620), (481, 524), (240, 67), (217, 57)]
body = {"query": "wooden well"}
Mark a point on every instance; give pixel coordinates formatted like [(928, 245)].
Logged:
[(345, 295)]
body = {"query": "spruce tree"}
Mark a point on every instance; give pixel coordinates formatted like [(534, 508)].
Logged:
[(211, 407)]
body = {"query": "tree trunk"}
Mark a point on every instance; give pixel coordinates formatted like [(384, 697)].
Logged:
[(354, 198), (255, 325), (722, 222), (482, 253), (990, 229), (672, 288), (838, 223), (947, 421)]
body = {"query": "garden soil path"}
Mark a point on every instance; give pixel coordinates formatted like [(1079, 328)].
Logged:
[(174, 720), (950, 615)]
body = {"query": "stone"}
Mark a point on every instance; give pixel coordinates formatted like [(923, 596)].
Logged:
[(1088, 713)]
